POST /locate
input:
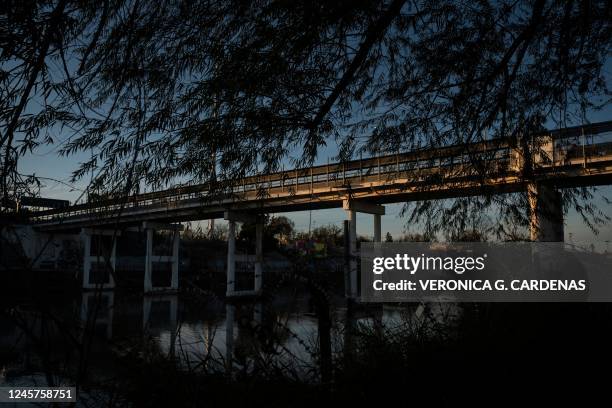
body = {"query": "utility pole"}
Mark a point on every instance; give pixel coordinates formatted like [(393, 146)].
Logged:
[(211, 222), (213, 170)]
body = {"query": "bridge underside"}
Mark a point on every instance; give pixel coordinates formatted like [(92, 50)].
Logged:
[(326, 195)]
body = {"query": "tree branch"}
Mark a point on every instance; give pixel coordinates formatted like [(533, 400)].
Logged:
[(372, 36)]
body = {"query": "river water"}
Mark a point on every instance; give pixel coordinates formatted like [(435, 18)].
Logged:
[(91, 338), (123, 348)]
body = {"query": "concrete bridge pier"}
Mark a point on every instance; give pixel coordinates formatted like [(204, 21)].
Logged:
[(151, 258), (99, 266), (232, 217), (353, 285), (352, 207), (377, 228), (545, 212)]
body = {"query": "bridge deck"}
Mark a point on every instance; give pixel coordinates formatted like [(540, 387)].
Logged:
[(426, 174)]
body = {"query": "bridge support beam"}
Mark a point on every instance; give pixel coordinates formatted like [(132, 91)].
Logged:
[(545, 213), (151, 258), (363, 207), (232, 217), (352, 207), (102, 261), (353, 273), (377, 228)]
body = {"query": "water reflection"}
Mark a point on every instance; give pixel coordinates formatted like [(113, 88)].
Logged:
[(160, 313), (302, 338), (97, 310), (230, 311), (115, 342), (248, 336), (160, 318)]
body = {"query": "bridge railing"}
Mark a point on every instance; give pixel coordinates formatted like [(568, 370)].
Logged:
[(569, 148)]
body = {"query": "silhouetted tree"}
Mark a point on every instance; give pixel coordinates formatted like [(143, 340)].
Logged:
[(415, 238), (275, 230), (169, 91), (34, 39), (331, 234), (281, 228)]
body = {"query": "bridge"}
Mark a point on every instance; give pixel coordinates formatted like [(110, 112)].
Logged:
[(541, 165)]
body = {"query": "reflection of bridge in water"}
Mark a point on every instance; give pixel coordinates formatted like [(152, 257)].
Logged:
[(571, 157), (213, 336), (236, 336)]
